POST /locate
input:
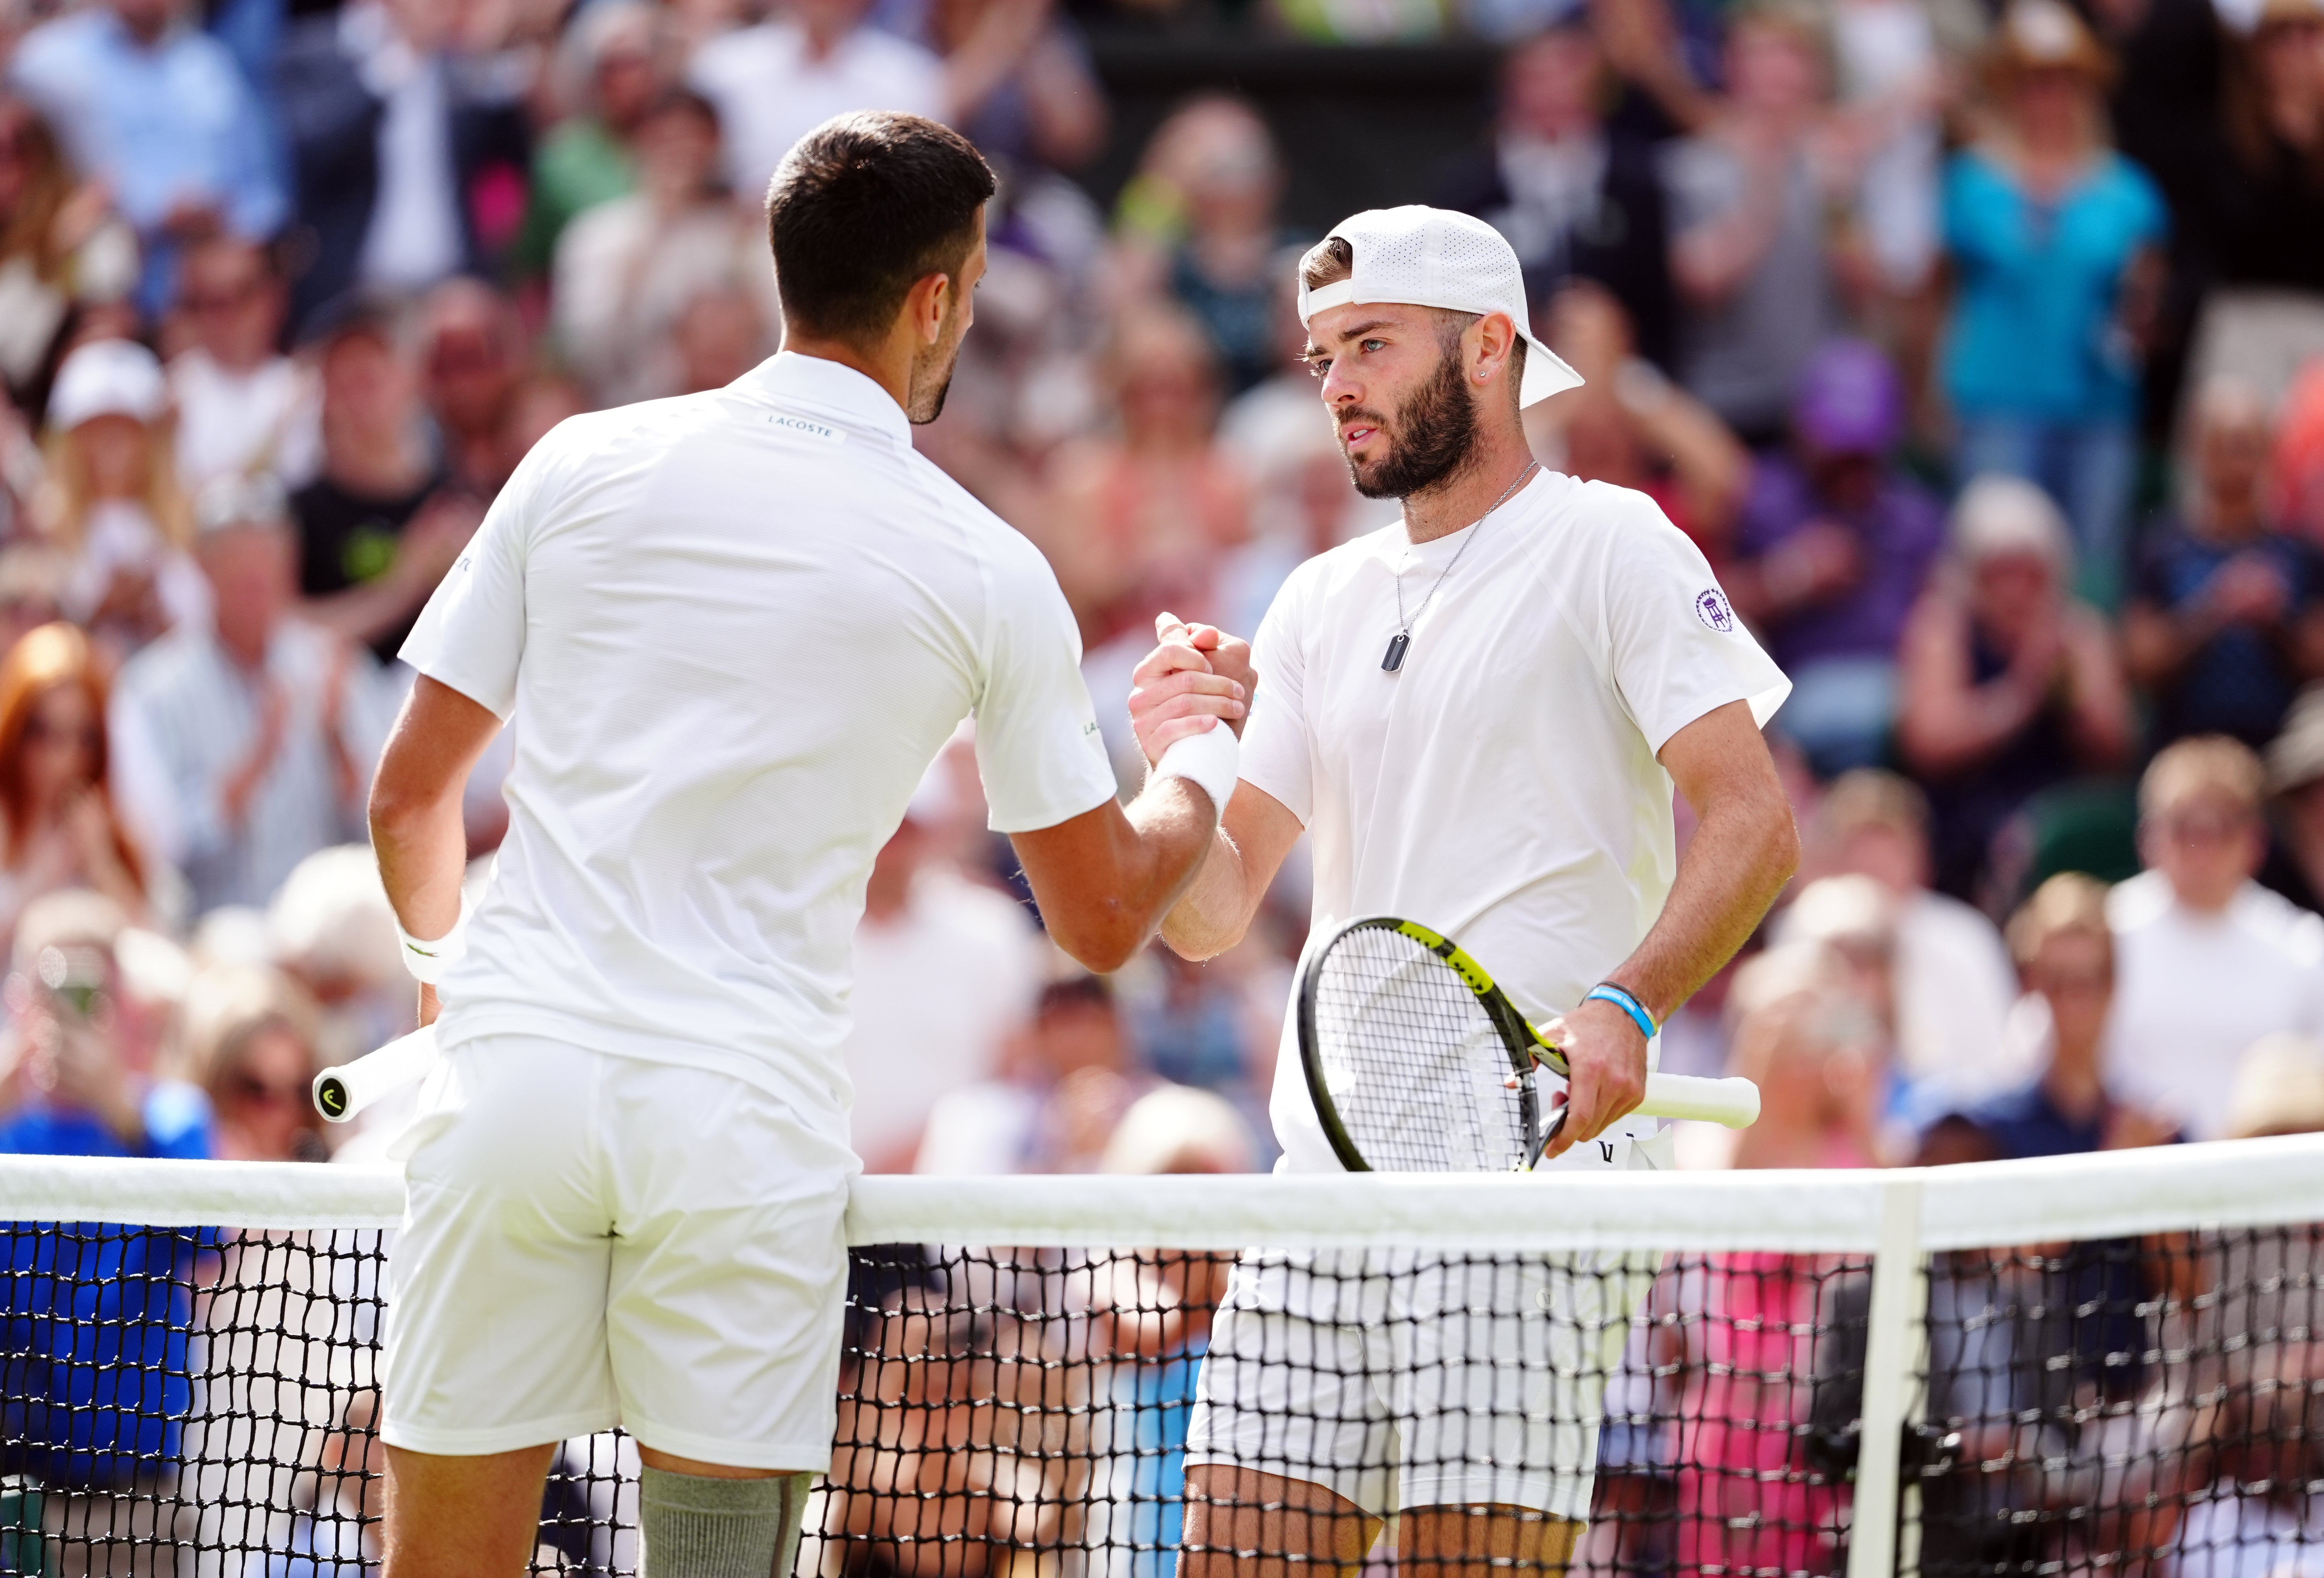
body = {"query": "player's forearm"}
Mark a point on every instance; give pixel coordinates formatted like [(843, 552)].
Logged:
[(1211, 916), (1742, 853), (422, 848), (1104, 892)]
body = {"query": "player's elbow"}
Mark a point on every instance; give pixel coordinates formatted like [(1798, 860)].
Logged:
[(1101, 937), (1779, 839), (400, 808)]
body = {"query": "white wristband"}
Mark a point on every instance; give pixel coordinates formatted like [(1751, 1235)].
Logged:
[(427, 962), (1206, 760)]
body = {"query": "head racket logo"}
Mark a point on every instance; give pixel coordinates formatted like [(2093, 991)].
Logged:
[(1711, 608), (332, 1098)]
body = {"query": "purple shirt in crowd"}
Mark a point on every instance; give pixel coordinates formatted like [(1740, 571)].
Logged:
[(1901, 535)]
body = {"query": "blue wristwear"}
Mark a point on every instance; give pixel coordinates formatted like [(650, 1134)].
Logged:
[(1609, 992)]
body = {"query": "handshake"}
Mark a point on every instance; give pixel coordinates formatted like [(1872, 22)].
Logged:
[(1197, 673), (1195, 679)]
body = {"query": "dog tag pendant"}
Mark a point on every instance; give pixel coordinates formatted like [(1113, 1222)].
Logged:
[(1395, 646)]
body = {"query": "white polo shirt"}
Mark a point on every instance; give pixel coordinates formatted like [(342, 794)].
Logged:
[(735, 629), (1502, 787)]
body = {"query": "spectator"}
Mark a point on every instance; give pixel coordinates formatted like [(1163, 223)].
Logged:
[(1139, 517), (2296, 469), (242, 406), (1152, 1318), (629, 271), (2011, 685), (331, 930), (99, 1376), (2264, 315), (777, 80), (1055, 1101), (721, 334), (379, 527), (63, 252), (247, 744), (1752, 244), (2053, 239), (1952, 984), (1629, 425), (339, 1527), (1212, 178), (60, 829), (2279, 1089), (945, 972), (250, 1043), (2065, 952), (1740, 1328), (2296, 782), (157, 110), (1576, 197), (473, 362), (1019, 83), (2208, 961), (112, 501), (618, 50), (32, 576), (403, 149), (2227, 615), (72, 1087), (1839, 538)]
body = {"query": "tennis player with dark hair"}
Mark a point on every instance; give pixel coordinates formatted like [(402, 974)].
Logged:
[(736, 628), (1478, 717)]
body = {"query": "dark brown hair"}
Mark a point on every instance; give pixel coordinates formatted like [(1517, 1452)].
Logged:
[(865, 206)]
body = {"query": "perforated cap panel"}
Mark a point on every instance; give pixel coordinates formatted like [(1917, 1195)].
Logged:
[(1434, 257)]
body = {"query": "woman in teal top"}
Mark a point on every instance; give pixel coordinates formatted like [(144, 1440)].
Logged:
[(2051, 237)]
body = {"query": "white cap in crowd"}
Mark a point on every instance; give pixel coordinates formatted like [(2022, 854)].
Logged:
[(107, 378), (1419, 256)]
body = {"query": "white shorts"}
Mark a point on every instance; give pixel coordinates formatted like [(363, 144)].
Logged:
[(1398, 1382), (593, 1241)]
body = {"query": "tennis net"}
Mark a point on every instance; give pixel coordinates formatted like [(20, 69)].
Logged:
[(2109, 1363)]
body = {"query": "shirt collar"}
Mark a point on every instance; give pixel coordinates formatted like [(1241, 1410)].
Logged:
[(833, 387)]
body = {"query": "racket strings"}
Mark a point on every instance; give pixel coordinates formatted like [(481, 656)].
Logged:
[(1413, 1065)]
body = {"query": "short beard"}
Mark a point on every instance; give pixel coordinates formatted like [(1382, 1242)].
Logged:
[(1434, 437), (931, 377), (926, 403)]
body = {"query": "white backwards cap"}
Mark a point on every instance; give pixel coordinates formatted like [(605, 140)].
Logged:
[(1418, 256)]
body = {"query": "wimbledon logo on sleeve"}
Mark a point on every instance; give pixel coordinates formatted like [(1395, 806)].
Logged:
[(1711, 607)]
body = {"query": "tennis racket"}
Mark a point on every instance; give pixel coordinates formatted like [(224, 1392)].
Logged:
[(341, 1093), (1417, 1062)]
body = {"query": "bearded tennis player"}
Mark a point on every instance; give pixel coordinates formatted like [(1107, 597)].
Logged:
[(733, 629), (1478, 716)]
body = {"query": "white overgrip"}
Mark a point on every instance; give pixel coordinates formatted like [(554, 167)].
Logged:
[(1733, 1101), (342, 1093)]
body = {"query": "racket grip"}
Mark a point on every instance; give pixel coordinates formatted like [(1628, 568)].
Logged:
[(1733, 1101), (342, 1093)]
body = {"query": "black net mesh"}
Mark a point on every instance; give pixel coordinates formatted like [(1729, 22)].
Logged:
[(1415, 1072), (203, 1402)]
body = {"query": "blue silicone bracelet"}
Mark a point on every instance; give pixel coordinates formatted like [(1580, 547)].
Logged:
[(1627, 1004)]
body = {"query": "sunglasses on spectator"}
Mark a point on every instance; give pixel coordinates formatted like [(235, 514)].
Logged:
[(2073, 983)]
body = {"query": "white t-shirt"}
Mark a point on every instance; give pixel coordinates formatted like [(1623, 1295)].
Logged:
[(267, 420), (737, 627), (769, 92), (939, 988), (2193, 992), (1502, 787)]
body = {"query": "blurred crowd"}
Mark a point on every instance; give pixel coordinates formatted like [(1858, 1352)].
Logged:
[(1980, 344)]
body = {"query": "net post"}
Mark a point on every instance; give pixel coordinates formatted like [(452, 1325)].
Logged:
[(1898, 1278)]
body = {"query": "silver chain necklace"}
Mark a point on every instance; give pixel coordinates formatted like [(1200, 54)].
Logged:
[(1398, 643)]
